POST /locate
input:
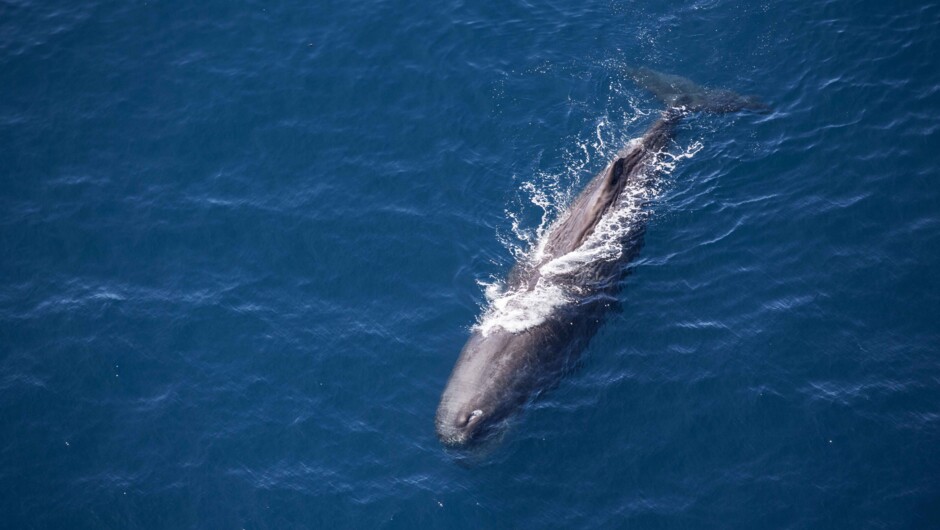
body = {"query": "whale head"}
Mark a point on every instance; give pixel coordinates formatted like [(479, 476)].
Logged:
[(494, 376)]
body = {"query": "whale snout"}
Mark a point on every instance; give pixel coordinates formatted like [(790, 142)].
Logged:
[(482, 389), (458, 428)]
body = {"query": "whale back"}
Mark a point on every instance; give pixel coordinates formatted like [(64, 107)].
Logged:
[(681, 97), (604, 190), (585, 212)]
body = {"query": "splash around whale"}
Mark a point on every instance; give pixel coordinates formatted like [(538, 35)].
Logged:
[(555, 298)]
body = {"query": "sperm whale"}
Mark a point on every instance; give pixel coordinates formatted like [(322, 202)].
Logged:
[(501, 366)]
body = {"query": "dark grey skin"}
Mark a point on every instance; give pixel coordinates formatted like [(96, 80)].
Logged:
[(498, 372)]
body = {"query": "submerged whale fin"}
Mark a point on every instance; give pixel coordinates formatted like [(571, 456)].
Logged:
[(682, 94)]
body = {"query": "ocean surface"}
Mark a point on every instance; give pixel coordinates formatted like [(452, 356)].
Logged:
[(244, 242)]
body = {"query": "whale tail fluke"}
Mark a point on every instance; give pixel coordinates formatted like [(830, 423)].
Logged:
[(682, 94)]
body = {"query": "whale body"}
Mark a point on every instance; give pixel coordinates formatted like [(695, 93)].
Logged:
[(571, 280)]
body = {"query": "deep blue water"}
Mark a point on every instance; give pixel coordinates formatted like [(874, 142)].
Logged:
[(243, 244)]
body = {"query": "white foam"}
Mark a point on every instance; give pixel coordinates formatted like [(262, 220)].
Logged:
[(520, 309)]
